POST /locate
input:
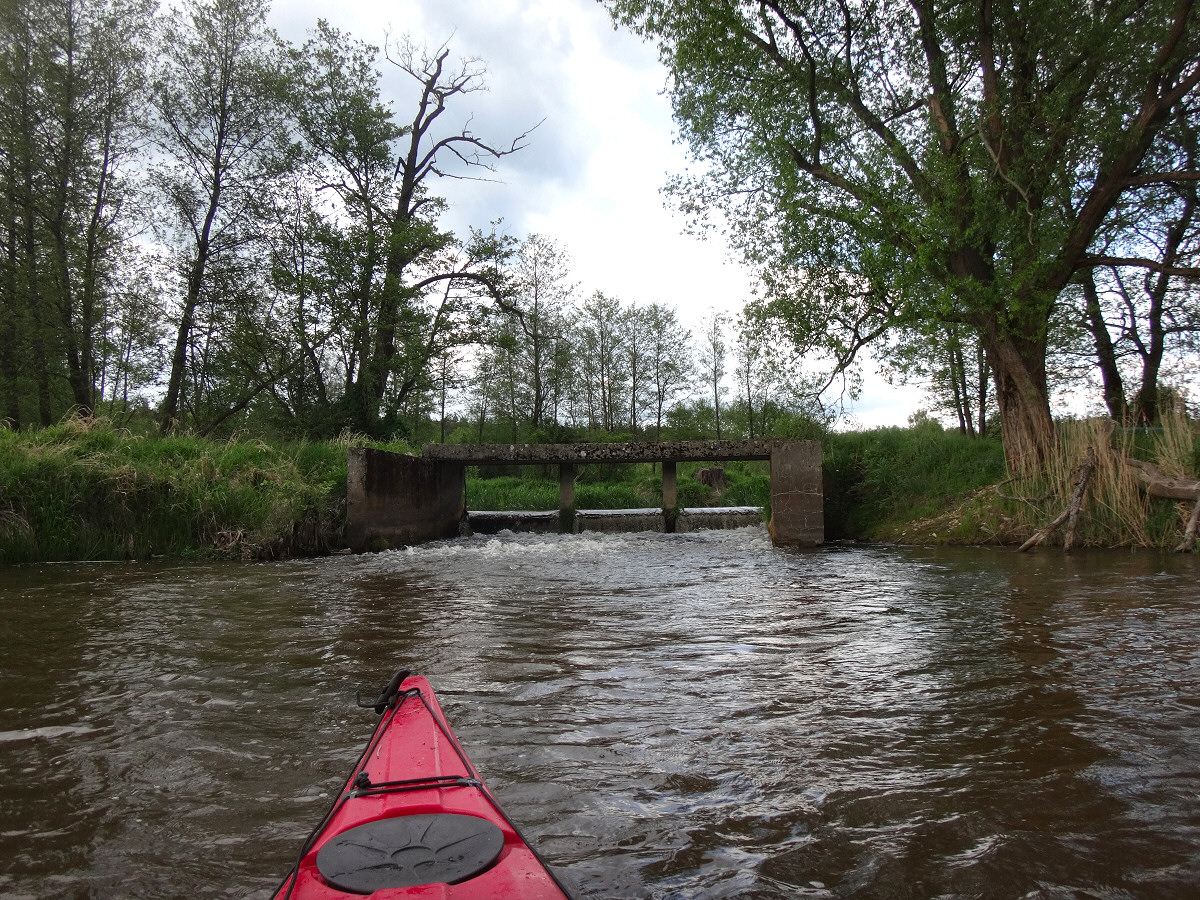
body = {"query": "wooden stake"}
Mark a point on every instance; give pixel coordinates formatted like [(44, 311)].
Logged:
[(1071, 513)]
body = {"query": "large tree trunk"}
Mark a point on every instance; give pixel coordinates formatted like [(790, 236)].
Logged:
[(195, 284), (10, 316), (1026, 426), (72, 334), (1114, 387), (170, 408), (41, 360)]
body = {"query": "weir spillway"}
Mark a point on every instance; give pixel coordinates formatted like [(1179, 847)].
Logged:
[(396, 499)]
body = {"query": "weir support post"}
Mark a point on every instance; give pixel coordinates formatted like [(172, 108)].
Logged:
[(566, 498), (669, 496), (393, 500), (797, 499)]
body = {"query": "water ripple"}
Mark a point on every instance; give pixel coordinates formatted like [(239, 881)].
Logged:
[(668, 716)]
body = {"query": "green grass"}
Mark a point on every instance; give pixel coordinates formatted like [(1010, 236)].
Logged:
[(877, 482), (617, 486), (509, 492), (87, 490)]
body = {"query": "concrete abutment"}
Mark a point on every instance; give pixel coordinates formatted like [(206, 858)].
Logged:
[(394, 500)]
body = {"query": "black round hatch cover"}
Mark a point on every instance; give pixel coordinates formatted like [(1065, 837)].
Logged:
[(408, 851)]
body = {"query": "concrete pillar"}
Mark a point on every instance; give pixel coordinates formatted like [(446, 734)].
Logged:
[(670, 496), (566, 498), (393, 500), (797, 498)]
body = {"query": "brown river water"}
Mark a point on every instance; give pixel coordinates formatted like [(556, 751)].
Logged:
[(666, 716)]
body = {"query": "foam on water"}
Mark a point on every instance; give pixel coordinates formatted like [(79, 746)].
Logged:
[(586, 545), (47, 732)]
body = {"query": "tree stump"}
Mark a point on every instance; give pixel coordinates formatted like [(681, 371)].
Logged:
[(714, 477)]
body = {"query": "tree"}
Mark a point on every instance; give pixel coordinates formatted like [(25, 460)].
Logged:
[(23, 331), (539, 293), (1139, 306), (130, 356), (218, 96), (897, 165), (753, 371), (413, 287), (600, 338), (94, 89), (669, 364), (712, 360), (447, 378), (71, 92), (637, 359), (950, 360)]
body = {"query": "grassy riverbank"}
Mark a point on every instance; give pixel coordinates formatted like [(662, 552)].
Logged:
[(880, 483), (925, 485), (88, 490)]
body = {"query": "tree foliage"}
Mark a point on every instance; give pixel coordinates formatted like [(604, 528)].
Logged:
[(896, 165), (72, 78)]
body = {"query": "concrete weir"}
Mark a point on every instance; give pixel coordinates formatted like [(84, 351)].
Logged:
[(614, 520), (394, 499)]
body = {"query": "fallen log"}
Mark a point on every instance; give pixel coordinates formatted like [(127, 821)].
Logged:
[(1071, 514), (1156, 484)]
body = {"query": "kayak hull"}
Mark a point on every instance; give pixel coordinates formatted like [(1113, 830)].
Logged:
[(403, 797)]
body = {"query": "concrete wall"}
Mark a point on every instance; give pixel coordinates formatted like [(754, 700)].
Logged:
[(718, 517), (797, 499), (393, 500), (531, 522), (616, 521)]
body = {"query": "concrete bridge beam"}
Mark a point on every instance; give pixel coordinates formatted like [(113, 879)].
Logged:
[(797, 495), (670, 496)]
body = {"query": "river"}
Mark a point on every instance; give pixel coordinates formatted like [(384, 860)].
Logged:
[(666, 716)]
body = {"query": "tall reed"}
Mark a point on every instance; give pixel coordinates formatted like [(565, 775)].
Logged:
[(1117, 512)]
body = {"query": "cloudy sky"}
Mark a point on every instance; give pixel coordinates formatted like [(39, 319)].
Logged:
[(591, 175)]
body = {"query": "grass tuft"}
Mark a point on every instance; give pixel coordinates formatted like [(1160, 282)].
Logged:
[(85, 489)]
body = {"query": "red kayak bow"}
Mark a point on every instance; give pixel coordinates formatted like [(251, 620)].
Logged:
[(416, 820)]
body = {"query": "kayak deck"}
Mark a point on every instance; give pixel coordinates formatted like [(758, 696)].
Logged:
[(415, 820)]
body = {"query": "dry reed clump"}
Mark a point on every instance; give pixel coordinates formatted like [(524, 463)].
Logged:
[(1174, 446), (350, 438), (1117, 512), (1175, 449), (13, 524)]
